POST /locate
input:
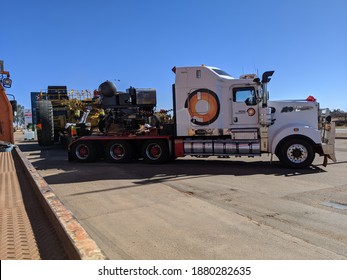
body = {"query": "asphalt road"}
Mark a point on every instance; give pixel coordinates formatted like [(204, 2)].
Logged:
[(237, 208)]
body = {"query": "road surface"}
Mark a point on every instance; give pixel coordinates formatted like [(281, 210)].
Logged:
[(237, 208)]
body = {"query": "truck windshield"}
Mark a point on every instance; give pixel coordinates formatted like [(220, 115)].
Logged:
[(220, 72)]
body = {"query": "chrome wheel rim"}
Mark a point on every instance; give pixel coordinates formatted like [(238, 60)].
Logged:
[(297, 153)]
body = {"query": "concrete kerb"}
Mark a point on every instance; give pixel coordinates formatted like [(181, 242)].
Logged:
[(78, 243)]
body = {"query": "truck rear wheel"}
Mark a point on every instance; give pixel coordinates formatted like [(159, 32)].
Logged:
[(44, 114), (296, 153), (119, 151), (155, 151), (84, 151)]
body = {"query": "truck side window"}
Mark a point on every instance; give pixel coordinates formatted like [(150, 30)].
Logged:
[(246, 95)]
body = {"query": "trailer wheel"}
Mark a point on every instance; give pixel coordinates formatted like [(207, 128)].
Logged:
[(84, 151), (44, 115), (119, 151), (155, 151), (296, 153)]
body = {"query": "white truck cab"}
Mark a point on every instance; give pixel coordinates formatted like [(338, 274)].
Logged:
[(217, 114)]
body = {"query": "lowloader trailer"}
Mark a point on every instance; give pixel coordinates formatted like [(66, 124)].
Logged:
[(214, 115)]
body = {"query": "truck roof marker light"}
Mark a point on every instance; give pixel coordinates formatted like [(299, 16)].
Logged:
[(311, 98), (174, 69), (202, 65)]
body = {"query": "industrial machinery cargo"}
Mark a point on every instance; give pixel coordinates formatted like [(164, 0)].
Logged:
[(56, 108)]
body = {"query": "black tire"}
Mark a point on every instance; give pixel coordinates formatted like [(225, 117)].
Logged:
[(119, 151), (44, 115), (83, 151), (155, 151), (296, 153)]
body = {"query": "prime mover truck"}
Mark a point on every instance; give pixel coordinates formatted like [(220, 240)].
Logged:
[(215, 114)]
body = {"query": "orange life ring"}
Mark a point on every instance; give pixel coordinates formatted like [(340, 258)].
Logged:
[(212, 113)]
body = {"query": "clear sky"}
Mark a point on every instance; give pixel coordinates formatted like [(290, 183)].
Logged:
[(81, 43)]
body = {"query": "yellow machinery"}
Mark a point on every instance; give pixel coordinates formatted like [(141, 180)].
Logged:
[(57, 109)]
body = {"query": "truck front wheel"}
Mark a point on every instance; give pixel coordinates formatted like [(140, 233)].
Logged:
[(296, 153), (155, 151)]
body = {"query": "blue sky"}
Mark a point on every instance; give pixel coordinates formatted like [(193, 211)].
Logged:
[(81, 43)]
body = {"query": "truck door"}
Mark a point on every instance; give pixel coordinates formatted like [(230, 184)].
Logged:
[(244, 106)]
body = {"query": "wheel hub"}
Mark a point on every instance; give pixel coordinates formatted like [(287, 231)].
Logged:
[(297, 153), (82, 152), (117, 151), (154, 152)]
